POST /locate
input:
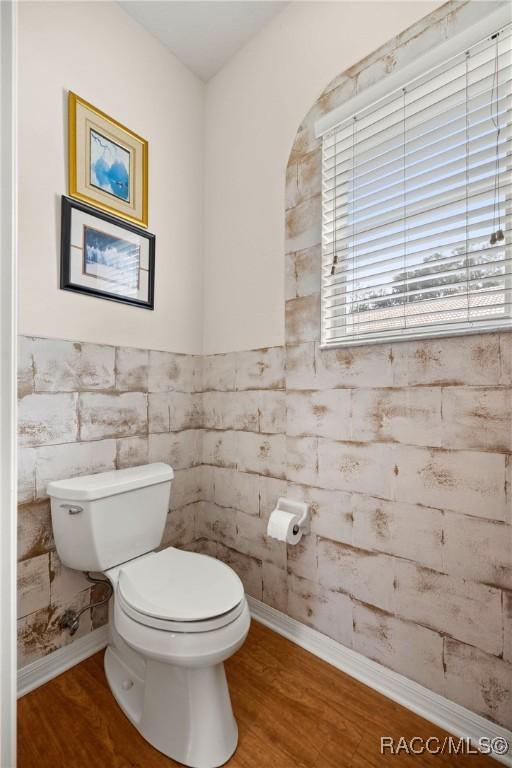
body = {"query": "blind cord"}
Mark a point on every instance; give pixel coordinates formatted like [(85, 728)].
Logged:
[(497, 233), (467, 258)]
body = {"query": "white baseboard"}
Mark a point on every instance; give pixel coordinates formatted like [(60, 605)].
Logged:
[(42, 670), (457, 720), (448, 715)]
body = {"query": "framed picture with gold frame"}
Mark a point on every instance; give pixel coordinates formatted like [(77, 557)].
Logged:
[(108, 163)]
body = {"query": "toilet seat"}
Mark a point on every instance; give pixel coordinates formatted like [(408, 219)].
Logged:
[(179, 591), (168, 625)]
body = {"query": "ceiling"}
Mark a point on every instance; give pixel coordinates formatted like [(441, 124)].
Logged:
[(204, 35)]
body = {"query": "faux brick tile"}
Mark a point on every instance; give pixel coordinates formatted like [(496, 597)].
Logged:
[(252, 539), (185, 411), (188, 487), (461, 481), (272, 412), (331, 511), (327, 611), (407, 648), (270, 489), (39, 633), (260, 369), (169, 372), (47, 419), (105, 415), (219, 373), (302, 460), (131, 452), (367, 576), (25, 366), (58, 462), (461, 360), (292, 186), (303, 271), (302, 558), (302, 319), (65, 583), (218, 524), (248, 568), (366, 366), (132, 369), (478, 550), (33, 585), (35, 536), (275, 586), (505, 345), (411, 416), (410, 531), (220, 449), (181, 450), (325, 413), (507, 626), (26, 475), (309, 175), (467, 611), (477, 418), (231, 410), (180, 527), (68, 366), (159, 418), (479, 681), (163, 372), (365, 468), (263, 454), (300, 366), (303, 224), (175, 411), (237, 490)]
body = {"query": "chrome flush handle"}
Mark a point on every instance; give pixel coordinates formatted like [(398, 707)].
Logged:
[(73, 509)]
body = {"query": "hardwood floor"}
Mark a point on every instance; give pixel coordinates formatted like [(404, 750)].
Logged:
[(293, 711)]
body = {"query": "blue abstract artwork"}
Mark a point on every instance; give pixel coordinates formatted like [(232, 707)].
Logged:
[(111, 258), (110, 166)]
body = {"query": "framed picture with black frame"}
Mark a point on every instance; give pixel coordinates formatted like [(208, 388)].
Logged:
[(106, 257)]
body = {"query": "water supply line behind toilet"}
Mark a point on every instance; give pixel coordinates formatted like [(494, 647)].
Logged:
[(70, 619)]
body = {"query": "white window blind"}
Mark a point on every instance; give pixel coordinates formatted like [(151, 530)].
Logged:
[(417, 206)]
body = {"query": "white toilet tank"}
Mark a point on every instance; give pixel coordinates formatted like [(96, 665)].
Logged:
[(106, 519)]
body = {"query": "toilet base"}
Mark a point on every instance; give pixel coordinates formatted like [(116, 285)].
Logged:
[(183, 712)]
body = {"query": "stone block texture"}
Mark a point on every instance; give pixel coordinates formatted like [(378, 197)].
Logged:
[(86, 408), (403, 451)]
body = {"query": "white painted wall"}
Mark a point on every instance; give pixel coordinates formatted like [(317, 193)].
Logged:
[(98, 51), (253, 109)]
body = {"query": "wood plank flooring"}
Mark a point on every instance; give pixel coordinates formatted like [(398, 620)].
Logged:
[(293, 711)]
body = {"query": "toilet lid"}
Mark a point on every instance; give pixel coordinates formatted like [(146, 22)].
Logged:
[(180, 586)]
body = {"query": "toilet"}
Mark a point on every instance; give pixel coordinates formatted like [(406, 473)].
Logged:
[(175, 616)]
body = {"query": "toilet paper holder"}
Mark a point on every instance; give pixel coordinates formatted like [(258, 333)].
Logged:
[(299, 508)]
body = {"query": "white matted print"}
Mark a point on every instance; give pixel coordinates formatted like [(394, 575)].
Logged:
[(108, 163), (105, 257)]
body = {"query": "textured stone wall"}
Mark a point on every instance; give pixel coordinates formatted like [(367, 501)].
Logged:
[(403, 450), (87, 408), (404, 453)]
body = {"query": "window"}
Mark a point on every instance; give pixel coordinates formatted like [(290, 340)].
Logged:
[(417, 206)]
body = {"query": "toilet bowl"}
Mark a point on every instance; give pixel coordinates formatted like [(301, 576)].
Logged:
[(182, 630), (175, 616)]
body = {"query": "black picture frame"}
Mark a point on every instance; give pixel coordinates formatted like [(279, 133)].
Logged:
[(68, 206)]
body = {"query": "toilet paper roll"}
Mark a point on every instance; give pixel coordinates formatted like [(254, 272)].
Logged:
[(281, 525)]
